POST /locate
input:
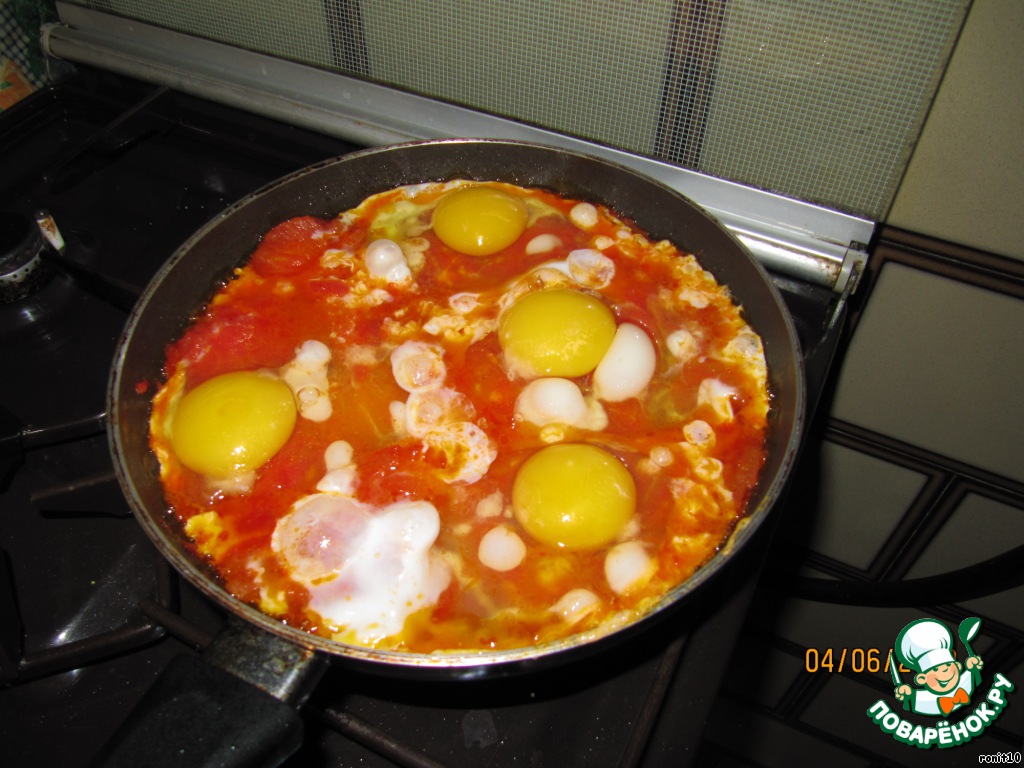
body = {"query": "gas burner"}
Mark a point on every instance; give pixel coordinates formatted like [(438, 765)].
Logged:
[(22, 268)]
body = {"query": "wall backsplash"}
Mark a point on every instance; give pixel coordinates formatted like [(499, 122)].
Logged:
[(933, 364), (819, 100), (964, 183)]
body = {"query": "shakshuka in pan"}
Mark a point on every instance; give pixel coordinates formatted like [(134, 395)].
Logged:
[(462, 415)]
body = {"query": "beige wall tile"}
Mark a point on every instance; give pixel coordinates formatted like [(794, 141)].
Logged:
[(979, 529), (939, 364), (965, 181), (860, 502)]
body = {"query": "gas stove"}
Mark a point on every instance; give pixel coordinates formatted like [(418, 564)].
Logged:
[(90, 614)]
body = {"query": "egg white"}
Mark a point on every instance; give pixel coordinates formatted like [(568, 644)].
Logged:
[(367, 570)]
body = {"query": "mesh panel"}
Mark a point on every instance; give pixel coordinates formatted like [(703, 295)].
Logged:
[(588, 69), (820, 100), (823, 101)]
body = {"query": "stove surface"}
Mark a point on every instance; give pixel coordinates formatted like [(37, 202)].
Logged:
[(91, 614)]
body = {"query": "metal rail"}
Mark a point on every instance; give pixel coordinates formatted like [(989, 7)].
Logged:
[(807, 242)]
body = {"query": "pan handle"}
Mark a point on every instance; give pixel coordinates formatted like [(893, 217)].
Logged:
[(237, 705)]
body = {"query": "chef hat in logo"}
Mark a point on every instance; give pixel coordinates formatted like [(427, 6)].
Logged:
[(924, 644)]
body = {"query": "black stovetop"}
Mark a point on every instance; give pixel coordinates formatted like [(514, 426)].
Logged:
[(90, 614)]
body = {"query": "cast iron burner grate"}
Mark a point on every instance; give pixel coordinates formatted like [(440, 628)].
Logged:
[(127, 633), (142, 620)]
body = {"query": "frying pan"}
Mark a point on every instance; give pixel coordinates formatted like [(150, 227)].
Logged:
[(188, 280)]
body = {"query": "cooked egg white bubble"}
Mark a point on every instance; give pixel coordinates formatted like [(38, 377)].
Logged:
[(559, 402), (575, 604), (683, 345), (542, 244), (501, 549), (628, 566), (584, 215), (468, 451), (306, 376), (428, 409), (718, 395), (590, 267), (628, 365), (586, 266), (341, 472), (385, 258), (440, 416), (418, 365)]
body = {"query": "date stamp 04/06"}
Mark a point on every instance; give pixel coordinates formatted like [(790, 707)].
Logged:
[(854, 659)]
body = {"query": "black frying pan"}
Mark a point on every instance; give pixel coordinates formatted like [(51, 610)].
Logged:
[(189, 278)]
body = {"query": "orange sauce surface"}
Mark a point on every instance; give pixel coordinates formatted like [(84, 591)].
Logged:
[(290, 292)]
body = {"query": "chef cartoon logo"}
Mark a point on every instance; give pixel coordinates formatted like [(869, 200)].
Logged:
[(942, 683), (940, 686)]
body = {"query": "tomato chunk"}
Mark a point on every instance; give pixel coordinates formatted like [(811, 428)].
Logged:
[(291, 246)]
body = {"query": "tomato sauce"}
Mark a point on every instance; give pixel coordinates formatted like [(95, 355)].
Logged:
[(307, 281)]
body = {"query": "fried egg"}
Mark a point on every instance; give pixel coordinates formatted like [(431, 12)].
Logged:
[(231, 425), (480, 317), (479, 220), (557, 332), (367, 570), (574, 495)]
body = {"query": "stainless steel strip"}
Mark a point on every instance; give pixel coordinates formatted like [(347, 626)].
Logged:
[(795, 238)]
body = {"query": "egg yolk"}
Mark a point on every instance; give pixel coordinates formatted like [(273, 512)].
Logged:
[(233, 423), (573, 495), (556, 333), (479, 221)]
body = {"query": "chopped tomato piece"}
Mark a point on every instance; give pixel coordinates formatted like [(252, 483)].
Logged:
[(291, 246)]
